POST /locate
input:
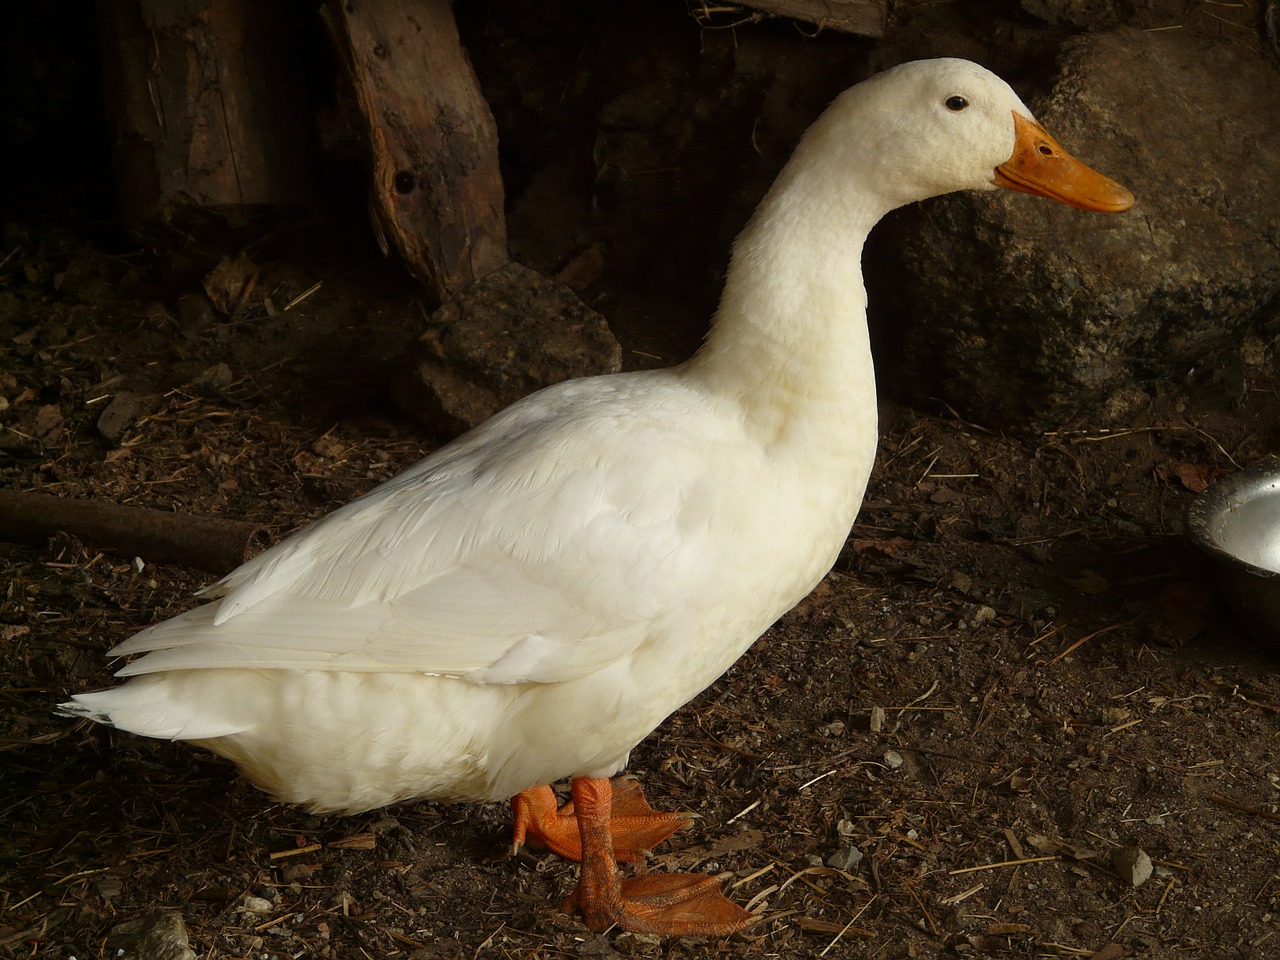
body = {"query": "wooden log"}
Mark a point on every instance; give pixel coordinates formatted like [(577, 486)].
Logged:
[(205, 104), (437, 189), (208, 543), (867, 18)]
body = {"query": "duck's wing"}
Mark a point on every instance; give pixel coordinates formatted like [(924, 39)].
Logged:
[(532, 554)]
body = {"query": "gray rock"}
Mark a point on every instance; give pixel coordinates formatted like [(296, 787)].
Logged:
[(47, 419), (505, 336), (1133, 864), (109, 887), (846, 858), (119, 415), (1026, 313), (215, 378), (982, 614), (597, 946), (157, 936)]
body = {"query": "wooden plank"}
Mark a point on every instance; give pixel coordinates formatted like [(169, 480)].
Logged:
[(867, 18), (437, 189), (205, 104)]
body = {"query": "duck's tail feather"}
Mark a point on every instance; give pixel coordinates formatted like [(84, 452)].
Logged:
[(151, 707)]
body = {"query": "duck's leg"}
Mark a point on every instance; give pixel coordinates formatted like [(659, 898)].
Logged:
[(635, 826), (666, 904)]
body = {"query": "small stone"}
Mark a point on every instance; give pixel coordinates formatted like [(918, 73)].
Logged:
[(297, 872), (631, 943), (893, 759), (157, 936), (846, 858), (329, 446), (230, 283), (877, 719), (109, 887), (1133, 864), (47, 419), (834, 729), (983, 614), (119, 415), (597, 946), (957, 919), (254, 904), (215, 378)]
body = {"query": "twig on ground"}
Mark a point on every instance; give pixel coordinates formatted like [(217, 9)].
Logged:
[(209, 543)]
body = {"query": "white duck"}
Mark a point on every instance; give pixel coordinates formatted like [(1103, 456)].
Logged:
[(529, 602)]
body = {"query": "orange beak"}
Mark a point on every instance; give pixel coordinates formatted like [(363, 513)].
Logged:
[(1041, 167)]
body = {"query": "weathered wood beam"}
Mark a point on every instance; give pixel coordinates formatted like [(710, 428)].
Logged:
[(437, 189), (205, 104)]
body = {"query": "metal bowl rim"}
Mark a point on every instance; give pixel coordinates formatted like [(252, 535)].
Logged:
[(1217, 499)]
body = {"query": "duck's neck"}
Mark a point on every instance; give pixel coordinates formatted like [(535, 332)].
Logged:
[(789, 343)]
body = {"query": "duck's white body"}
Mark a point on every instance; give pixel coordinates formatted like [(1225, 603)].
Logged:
[(529, 602), (475, 627)]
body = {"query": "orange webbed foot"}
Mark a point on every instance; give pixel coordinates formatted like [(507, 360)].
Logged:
[(667, 904), (635, 827), (664, 904)]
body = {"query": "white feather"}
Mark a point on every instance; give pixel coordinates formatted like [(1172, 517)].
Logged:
[(528, 602)]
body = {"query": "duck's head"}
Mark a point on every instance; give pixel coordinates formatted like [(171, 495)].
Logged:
[(935, 126)]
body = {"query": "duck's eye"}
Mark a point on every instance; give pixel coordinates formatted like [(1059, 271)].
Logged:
[(956, 103)]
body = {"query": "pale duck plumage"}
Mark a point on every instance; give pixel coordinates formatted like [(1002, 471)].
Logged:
[(530, 601)]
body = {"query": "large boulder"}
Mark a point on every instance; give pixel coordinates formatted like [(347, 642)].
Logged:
[(1026, 314), (506, 335)]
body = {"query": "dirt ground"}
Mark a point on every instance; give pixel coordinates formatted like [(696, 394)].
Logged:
[(1017, 671)]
